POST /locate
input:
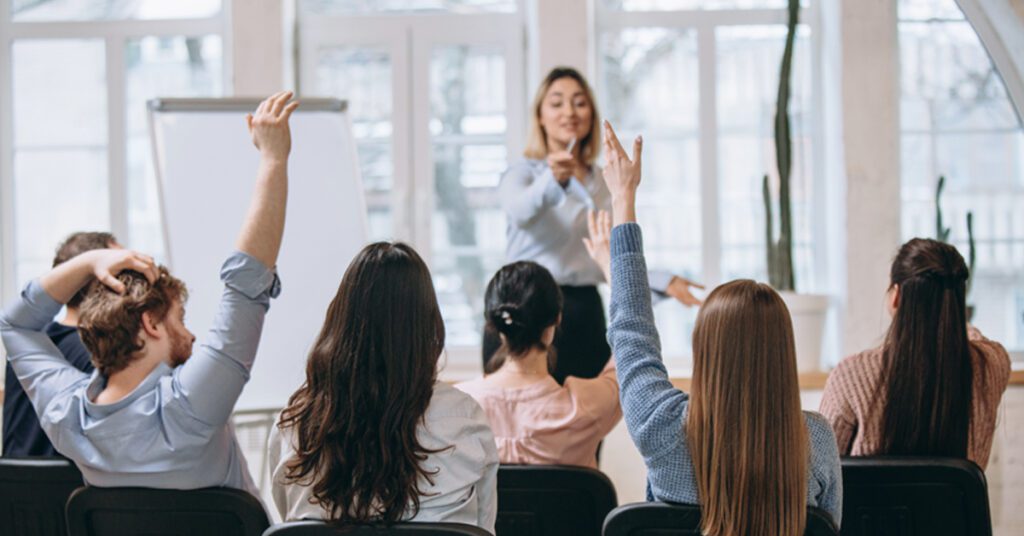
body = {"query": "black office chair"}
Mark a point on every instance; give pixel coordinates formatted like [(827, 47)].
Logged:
[(662, 519), (319, 528), (911, 496), (552, 500), (93, 511), (33, 492)]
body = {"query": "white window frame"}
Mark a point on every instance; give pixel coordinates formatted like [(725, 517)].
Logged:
[(976, 18), (409, 40), (115, 34), (704, 23)]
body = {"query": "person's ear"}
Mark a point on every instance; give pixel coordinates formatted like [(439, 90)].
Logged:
[(151, 327), (894, 297)]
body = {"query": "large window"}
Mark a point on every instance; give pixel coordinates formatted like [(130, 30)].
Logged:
[(436, 96), (699, 80), (74, 149), (957, 121)]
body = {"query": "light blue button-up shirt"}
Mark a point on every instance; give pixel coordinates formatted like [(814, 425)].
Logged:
[(173, 430), (547, 223)]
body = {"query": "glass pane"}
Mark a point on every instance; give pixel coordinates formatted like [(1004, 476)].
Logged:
[(644, 72), (677, 5), (923, 10), (160, 67), (467, 124), (362, 75), (350, 7), (957, 121), (748, 76), (74, 10), (60, 146)]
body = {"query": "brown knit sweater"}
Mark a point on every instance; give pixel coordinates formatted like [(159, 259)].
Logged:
[(853, 398)]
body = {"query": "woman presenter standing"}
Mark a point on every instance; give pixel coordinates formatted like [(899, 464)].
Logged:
[(547, 197)]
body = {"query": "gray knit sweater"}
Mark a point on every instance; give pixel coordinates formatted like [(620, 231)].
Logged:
[(655, 411)]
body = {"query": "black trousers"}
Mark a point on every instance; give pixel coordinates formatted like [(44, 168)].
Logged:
[(580, 341)]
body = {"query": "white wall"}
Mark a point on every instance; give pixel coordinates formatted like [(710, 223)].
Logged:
[(869, 78), (257, 45)]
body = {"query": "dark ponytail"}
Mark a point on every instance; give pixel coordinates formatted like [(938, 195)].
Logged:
[(522, 300), (927, 362)]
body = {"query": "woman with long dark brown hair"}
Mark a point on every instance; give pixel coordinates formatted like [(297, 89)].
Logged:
[(372, 435), (738, 445), (933, 387)]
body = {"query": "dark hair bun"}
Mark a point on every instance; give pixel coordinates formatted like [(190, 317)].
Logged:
[(522, 301)]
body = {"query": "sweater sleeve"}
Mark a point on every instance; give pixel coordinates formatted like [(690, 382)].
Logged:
[(837, 410), (825, 466), (652, 407)]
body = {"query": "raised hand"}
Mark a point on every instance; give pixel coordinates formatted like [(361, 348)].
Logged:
[(598, 244), (622, 175), (269, 125)]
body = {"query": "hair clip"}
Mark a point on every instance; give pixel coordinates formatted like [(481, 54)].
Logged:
[(507, 317)]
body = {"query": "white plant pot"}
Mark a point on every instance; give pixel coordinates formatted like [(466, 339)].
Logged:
[(808, 312)]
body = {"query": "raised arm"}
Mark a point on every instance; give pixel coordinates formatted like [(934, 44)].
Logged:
[(261, 232), (652, 407), (36, 361), (212, 380)]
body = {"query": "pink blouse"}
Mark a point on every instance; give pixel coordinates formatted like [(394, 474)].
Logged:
[(549, 424)]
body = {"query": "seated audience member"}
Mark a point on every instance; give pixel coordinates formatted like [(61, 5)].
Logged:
[(739, 446), (23, 437), (151, 415), (933, 387), (372, 436), (536, 420)]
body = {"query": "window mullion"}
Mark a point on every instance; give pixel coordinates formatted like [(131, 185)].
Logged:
[(117, 185), (711, 243), (7, 249)]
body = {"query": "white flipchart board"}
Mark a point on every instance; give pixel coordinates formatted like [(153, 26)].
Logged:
[(206, 168)]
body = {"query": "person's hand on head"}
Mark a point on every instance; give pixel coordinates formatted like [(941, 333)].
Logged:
[(108, 263), (563, 166), (268, 125), (598, 244), (680, 288)]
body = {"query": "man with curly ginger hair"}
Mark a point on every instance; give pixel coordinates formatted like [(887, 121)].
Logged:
[(23, 437), (153, 415)]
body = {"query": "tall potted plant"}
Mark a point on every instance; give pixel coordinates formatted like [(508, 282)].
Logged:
[(942, 235), (807, 310)]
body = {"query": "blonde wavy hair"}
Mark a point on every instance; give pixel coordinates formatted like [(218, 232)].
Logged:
[(537, 142)]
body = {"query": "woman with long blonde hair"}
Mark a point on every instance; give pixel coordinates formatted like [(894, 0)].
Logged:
[(546, 197), (738, 445)]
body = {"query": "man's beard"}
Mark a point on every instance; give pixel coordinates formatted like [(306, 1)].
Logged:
[(181, 350)]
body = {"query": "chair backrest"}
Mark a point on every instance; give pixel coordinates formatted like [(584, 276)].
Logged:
[(33, 492), (93, 511), (542, 500), (662, 519), (905, 496), (319, 528)]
